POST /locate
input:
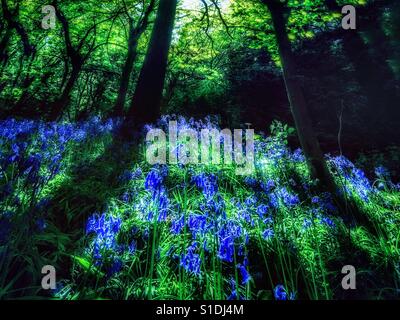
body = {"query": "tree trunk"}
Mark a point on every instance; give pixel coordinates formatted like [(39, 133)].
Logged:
[(126, 73), (62, 102), (145, 106), (307, 137), (11, 17), (3, 46)]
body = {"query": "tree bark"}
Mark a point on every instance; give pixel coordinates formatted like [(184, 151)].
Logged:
[(145, 105), (126, 74), (307, 137), (11, 17), (77, 61), (62, 102), (135, 32)]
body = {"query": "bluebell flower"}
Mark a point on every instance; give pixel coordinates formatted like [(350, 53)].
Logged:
[(245, 215), (274, 200), (329, 222), (381, 186), (132, 247), (216, 205), (116, 267), (280, 292), (178, 225), (298, 155), (252, 182), (163, 203), (355, 177), (262, 210), (268, 234), (125, 197), (306, 224), (288, 198), (244, 274), (106, 229), (153, 181), (191, 262), (226, 249), (250, 201), (268, 186), (315, 199), (233, 295), (268, 220), (206, 183), (197, 224), (382, 172), (41, 224), (126, 176)]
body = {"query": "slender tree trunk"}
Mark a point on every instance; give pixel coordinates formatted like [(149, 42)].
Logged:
[(3, 46), (11, 17), (307, 137), (145, 106), (65, 97), (126, 73), (77, 60)]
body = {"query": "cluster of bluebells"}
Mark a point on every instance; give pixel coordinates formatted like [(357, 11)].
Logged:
[(215, 225), (32, 154), (210, 122), (104, 247), (355, 179), (159, 196), (384, 179), (34, 150)]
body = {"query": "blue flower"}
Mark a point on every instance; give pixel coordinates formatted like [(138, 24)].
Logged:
[(268, 186), (289, 199), (315, 199), (153, 181), (262, 210), (163, 203), (268, 234), (252, 182), (197, 224), (206, 183), (132, 247), (382, 172), (191, 262), (233, 295), (306, 224), (298, 156), (41, 224), (250, 201), (328, 222), (126, 197), (280, 292), (274, 200), (126, 176), (226, 249), (244, 274), (106, 229), (178, 225), (116, 267)]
